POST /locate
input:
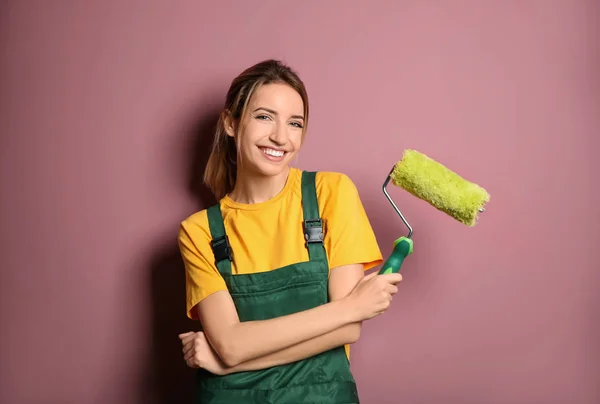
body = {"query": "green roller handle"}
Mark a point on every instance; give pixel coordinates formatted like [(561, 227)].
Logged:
[(402, 248)]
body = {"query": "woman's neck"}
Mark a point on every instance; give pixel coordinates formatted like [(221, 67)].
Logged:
[(250, 188)]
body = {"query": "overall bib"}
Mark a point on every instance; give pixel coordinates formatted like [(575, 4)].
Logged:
[(324, 378)]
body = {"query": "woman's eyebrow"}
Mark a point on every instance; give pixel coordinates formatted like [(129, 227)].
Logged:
[(275, 112)]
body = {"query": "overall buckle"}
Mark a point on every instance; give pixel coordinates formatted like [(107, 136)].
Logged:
[(221, 248), (313, 231)]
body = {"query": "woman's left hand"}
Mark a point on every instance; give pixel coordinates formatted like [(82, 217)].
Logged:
[(198, 353)]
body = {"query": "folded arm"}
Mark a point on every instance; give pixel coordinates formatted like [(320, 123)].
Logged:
[(258, 344), (342, 281)]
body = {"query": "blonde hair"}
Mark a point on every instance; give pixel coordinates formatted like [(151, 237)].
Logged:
[(220, 172)]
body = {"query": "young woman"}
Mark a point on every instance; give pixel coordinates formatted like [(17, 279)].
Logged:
[(275, 270)]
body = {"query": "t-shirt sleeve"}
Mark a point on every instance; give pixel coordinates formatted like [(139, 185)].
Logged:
[(349, 237), (202, 278)]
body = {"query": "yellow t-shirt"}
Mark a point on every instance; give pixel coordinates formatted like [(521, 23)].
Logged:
[(269, 235)]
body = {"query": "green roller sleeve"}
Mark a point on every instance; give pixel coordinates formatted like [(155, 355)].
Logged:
[(402, 248)]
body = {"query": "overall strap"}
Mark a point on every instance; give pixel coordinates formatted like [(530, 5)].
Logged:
[(313, 225), (220, 241)]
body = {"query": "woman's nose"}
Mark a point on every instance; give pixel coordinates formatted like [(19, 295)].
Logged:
[(279, 134)]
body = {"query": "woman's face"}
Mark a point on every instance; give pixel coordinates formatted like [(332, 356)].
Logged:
[(270, 133)]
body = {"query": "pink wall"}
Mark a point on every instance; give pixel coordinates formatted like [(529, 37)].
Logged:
[(105, 105)]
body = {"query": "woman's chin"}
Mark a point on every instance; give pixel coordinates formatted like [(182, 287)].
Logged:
[(271, 169)]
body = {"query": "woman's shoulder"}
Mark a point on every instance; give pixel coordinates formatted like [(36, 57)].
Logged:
[(332, 184), (195, 226)]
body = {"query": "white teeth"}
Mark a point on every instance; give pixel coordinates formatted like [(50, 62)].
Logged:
[(274, 153)]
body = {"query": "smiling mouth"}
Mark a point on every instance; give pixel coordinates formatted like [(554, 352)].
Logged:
[(272, 152)]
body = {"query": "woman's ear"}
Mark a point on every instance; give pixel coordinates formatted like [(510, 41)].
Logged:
[(229, 124)]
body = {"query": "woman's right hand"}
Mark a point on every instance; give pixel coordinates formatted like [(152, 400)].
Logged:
[(373, 295)]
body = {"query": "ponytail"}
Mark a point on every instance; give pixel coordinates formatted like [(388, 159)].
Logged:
[(221, 168)]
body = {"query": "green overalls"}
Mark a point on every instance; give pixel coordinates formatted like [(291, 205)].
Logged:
[(324, 378)]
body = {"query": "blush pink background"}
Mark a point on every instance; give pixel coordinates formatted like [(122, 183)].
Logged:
[(105, 106)]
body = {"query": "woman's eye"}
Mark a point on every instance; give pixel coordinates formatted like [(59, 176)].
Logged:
[(297, 124), (262, 117)]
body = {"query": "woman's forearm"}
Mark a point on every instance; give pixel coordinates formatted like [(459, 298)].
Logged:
[(237, 342), (347, 334), (240, 342)]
